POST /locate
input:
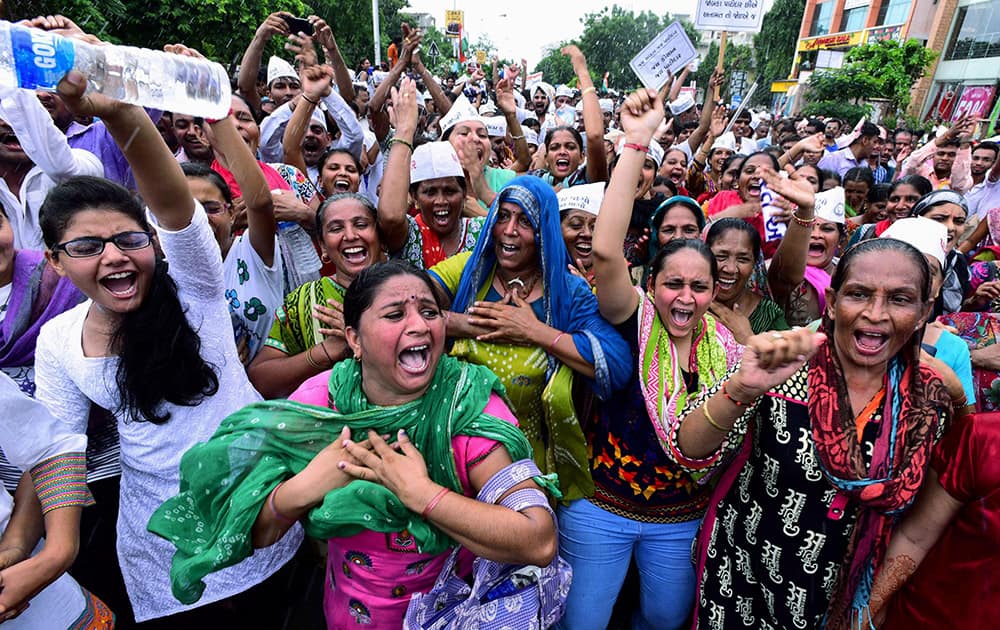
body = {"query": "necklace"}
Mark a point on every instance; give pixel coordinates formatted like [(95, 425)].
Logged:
[(523, 289)]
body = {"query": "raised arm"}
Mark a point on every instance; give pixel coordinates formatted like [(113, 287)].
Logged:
[(441, 100), (507, 105), (246, 82), (641, 115), (696, 137), (392, 203), (341, 73), (234, 154), (593, 120), (814, 143), (315, 86), (678, 82), (158, 176), (788, 267)]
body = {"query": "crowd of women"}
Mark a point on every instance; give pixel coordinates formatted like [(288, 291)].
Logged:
[(389, 350)]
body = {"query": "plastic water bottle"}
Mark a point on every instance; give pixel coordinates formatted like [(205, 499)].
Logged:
[(36, 59)]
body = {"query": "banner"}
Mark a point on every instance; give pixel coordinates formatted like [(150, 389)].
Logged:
[(666, 55), (453, 21), (975, 100), (729, 15)]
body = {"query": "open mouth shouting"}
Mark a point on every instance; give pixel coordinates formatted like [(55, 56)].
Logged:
[(681, 316), (356, 255), (415, 359), (870, 342), (341, 185), (10, 141), (754, 187), (121, 284)]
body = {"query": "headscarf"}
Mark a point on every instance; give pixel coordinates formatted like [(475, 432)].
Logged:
[(915, 400), (225, 481), (657, 217), (37, 294), (539, 203)]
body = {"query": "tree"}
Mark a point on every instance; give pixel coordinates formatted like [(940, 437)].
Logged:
[(220, 29), (610, 39), (885, 69), (557, 67), (738, 57), (774, 46)]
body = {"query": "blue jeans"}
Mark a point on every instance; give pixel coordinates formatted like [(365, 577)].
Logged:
[(599, 545)]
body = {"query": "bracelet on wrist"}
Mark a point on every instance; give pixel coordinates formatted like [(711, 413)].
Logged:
[(711, 420), (405, 143), (311, 361), (433, 502), (274, 508), (309, 100), (588, 91), (738, 403), (636, 147), (803, 222)]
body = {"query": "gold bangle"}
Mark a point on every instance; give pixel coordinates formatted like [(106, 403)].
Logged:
[(588, 91), (312, 361), (803, 222), (711, 420)]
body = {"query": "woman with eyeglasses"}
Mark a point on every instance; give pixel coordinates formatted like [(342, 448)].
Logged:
[(153, 344)]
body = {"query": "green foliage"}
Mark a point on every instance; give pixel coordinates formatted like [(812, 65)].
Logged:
[(442, 66), (557, 67), (610, 39), (738, 57), (836, 109), (885, 69), (221, 29), (774, 46)]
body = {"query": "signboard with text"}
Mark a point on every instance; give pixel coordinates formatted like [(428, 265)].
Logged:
[(975, 101), (729, 15), (667, 54), (453, 21), (839, 40)]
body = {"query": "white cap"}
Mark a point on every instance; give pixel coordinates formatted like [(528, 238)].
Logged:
[(519, 99), (496, 126), (613, 135), (607, 105), (318, 118), (725, 141), (433, 160), (655, 153), (530, 136), (579, 107), (487, 109), (278, 68), (930, 237), (427, 96), (461, 111), (586, 197), (378, 77), (683, 103), (544, 87), (829, 205), (564, 90)]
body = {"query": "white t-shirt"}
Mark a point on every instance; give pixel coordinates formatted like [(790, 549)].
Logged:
[(68, 381), (253, 290)]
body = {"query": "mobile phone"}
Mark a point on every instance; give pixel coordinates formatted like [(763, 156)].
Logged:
[(298, 25)]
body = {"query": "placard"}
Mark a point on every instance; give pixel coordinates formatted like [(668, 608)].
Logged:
[(669, 52), (729, 15), (453, 21)]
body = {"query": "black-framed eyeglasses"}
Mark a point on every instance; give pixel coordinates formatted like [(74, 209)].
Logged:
[(87, 246)]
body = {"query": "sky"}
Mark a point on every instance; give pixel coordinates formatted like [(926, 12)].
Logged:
[(526, 28)]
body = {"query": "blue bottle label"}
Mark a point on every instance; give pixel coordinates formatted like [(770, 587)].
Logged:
[(42, 59)]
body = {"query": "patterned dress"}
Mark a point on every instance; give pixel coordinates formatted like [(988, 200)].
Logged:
[(776, 535)]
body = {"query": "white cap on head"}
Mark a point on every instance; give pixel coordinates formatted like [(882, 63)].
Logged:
[(433, 160), (725, 141), (519, 99), (930, 237), (683, 103), (578, 106), (586, 197), (613, 135), (829, 205), (655, 153), (564, 90), (378, 77), (488, 108), (496, 126), (461, 111), (318, 118), (278, 68), (549, 91), (607, 105), (530, 137)]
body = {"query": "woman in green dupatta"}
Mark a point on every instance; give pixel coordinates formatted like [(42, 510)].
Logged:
[(307, 336), (518, 310), (390, 512)]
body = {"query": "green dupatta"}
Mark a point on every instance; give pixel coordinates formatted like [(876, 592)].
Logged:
[(225, 481)]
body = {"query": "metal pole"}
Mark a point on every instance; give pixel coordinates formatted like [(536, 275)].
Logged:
[(377, 35)]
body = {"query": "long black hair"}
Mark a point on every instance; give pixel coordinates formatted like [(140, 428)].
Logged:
[(159, 353), (676, 245)]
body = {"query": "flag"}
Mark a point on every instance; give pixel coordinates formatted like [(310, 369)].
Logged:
[(463, 46)]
